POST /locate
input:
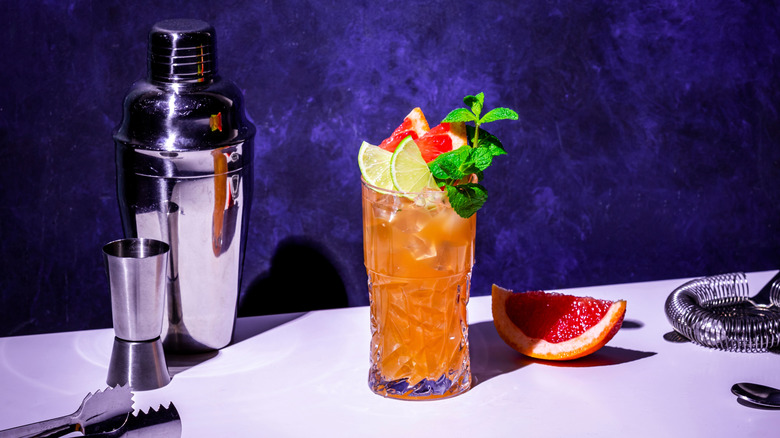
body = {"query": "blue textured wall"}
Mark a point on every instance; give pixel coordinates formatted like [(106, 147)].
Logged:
[(648, 146)]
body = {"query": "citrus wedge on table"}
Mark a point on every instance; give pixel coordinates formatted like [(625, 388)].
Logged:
[(414, 125), (408, 169), (555, 326), (442, 138), (374, 165)]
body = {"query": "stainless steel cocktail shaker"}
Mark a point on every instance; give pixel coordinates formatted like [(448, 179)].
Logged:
[(184, 176)]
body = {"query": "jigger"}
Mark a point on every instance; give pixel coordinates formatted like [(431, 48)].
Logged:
[(136, 270)]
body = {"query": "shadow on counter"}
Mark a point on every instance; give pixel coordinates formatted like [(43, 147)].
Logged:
[(491, 356), (301, 278), (245, 328)]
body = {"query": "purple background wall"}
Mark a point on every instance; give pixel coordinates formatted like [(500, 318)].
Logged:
[(648, 146)]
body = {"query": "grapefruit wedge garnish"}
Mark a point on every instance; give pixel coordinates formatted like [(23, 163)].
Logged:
[(442, 138), (555, 326), (414, 124)]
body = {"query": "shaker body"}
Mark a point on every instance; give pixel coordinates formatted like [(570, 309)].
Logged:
[(184, 154), (204, 220)]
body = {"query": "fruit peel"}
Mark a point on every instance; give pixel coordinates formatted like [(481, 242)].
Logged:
[(588, 342)]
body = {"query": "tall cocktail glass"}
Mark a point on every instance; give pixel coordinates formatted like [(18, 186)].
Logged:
[(419, 255)]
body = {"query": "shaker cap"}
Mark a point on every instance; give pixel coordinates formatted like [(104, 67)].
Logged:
[(182, 51)]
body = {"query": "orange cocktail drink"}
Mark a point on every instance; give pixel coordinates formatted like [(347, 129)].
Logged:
[(419, 255)]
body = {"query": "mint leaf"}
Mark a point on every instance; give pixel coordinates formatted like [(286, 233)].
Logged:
[(447, 166), (439, 170), (460, 115), (463, 152), (452, 170), (481, 158), (486, 140), (467, 198), (469, 157), (475, 103), (491, 143), (499, 114)]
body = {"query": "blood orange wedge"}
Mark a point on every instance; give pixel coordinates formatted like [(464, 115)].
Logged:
[(442, 138), (414, 124), (555, 326)]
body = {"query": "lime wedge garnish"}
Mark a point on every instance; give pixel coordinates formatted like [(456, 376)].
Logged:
[(408, 169), (374, 165)]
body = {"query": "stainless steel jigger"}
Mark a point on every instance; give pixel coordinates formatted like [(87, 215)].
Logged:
[(136, 270)]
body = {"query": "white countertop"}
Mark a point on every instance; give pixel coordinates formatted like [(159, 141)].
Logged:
[(306, 375)]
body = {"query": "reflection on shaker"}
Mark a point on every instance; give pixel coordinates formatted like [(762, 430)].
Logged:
[(168, 216), (225, 202)]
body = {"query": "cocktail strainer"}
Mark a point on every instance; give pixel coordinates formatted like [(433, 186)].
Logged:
[(718, 312)]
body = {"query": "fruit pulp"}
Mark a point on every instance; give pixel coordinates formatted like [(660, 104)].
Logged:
[(554, 326), (419, 254)]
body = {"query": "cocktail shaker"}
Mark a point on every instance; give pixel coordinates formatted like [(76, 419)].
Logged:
[(184, 176)]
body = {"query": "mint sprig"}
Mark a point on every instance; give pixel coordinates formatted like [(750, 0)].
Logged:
[(452, 170)]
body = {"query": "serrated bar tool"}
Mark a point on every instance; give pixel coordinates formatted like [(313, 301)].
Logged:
[(163, 422)]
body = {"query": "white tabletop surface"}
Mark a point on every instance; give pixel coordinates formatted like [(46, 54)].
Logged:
[(305, 375)]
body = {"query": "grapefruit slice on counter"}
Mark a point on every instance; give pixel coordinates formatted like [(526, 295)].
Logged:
[(555, 326), (414, 124)]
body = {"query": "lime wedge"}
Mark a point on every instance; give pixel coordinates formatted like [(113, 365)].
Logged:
[(409, 170), (374, 165)]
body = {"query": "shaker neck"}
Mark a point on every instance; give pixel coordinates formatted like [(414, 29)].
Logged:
[(183, 86), (182, 51)]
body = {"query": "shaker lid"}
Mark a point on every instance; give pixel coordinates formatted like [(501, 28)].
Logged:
[(182, 51)]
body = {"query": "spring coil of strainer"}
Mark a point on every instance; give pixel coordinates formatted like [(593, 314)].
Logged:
[(717, 312)]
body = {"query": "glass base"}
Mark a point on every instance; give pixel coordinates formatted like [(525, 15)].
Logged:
[(426, 389)]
